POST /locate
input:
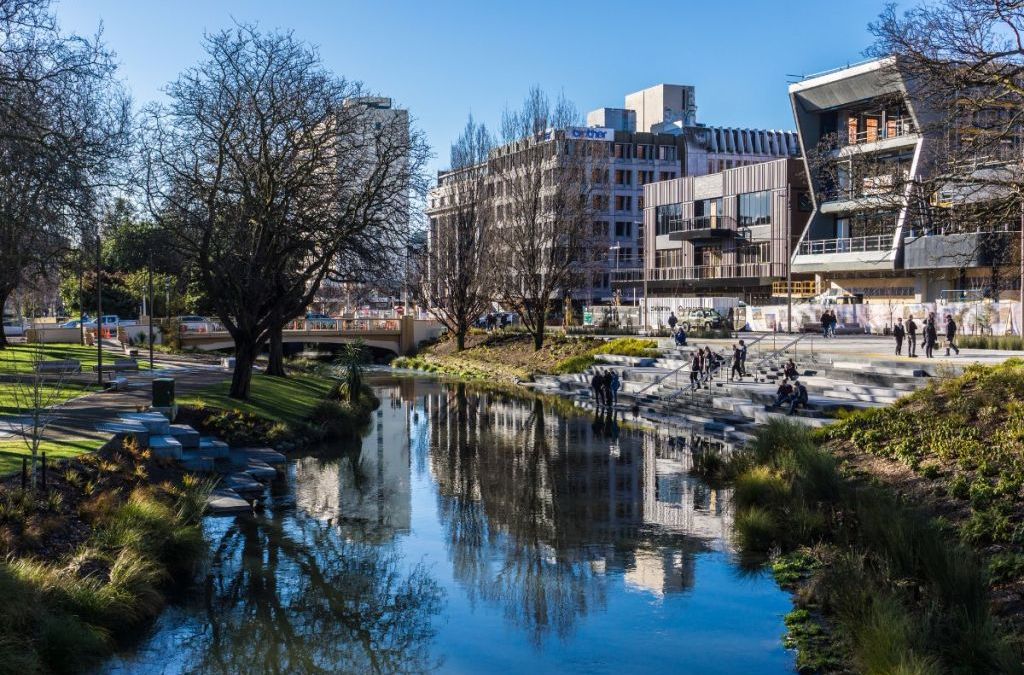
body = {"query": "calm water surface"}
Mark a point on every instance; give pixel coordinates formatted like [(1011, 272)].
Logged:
[(476, 533)]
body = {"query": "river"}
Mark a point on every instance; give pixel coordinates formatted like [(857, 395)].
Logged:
[(473, 532)]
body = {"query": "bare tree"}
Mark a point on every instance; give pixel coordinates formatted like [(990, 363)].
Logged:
[(459, 285), (64, 124), (543, 208), (267, 169), (962, 62)]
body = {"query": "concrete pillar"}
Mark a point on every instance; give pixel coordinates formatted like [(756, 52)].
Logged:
[(407, 335)]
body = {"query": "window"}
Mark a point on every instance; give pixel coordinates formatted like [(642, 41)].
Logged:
[(754, 208), (804, 203), (623, 229), (623, 151), (600, 202), (644, 177), (644, 151), (707, 213), (667, 175), (667, 218), (623, 203), (623, 177), (667, 152), (600, 228)]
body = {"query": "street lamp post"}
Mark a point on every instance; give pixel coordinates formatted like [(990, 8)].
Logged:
[(99, 314), (150, 312)]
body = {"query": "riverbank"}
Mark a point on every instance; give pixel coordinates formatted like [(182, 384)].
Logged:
[(509, 357), (899, 529), (89, 558)]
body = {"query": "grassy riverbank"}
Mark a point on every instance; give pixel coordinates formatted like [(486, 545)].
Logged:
[(88, 558), (287, 413), (900, 530), (510, 357)]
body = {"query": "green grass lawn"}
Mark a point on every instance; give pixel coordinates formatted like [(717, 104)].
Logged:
[(51, 394), (54, 450), (290, 400), (19, 358)]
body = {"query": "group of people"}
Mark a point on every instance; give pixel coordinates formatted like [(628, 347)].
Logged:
[(492, 321), (792, 394), (930, 335), (829, 321), (606, 385), (702, 362)]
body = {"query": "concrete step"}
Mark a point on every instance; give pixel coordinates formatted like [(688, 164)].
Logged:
[(124, 429), (197, 462), (154, 422), (267, 455), (243, 484), (186, 435), (211, 447), (165, 446), (261, 471)]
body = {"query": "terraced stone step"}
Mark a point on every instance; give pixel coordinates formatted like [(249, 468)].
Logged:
[(225, 501), (165, 446)]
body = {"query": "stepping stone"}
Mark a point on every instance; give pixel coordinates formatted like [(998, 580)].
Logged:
[(214, 448), (126, 429), (267, 455), (260, 470), (224, 501), (155, 422), (186, 435), (165, 446), (243, 484)]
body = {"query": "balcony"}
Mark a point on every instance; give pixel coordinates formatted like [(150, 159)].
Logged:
[(894, 127), (703, 228), (878, 242), (845, 254), (959, 250)]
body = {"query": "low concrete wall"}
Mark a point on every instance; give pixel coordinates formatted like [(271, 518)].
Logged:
[(53, 334)]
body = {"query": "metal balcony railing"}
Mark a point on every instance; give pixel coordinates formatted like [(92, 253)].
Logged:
[(880, 242), (901, 126), (704, 272)]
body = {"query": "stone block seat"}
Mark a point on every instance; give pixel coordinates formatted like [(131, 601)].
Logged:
[(59, 367), (261, 471), (213, 448), (125, 429), (119, 366), (244, 484), (225, 501)]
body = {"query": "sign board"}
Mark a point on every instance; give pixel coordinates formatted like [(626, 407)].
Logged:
[(584, 134)]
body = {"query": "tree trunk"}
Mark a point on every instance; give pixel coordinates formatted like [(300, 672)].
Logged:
[(538, 332), (460, 339), (4, 294), (241, 378), (275, 364)]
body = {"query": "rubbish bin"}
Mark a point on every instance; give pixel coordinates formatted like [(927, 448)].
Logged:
[(163, 392)]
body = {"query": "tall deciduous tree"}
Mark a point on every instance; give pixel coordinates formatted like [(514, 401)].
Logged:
[(543, 205), (266, 167), (64, 124), (459, 283)]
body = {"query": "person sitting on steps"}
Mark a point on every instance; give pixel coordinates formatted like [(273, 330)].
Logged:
[(790, 370), (680, 337), (783, 393), (798, 398)]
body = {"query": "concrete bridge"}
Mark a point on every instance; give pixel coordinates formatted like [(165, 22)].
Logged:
[(400, 336)]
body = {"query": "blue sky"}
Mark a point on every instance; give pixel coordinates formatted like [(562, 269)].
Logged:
[(444, 60)]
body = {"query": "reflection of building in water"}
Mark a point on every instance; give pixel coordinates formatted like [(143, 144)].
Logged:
[(366, 493), (661, 571), (596, 492)]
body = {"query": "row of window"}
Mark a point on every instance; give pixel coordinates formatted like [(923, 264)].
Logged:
[(752, 208), (622, 228), (645, 151)]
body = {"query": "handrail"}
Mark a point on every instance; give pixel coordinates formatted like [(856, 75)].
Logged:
[(693, 386), (781, 350)]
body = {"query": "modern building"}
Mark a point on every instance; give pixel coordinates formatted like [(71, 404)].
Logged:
[(728, 233), (868, 140), (653, 137)]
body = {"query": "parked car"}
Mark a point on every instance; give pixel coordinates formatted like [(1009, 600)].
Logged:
[(701, 317), (15, 327)]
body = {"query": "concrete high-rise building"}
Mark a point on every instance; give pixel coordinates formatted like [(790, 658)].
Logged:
[(663, 103)]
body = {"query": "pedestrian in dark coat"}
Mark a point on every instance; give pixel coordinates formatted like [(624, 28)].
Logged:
[(931, 336), (898, 332), (911, 337), (951, 335)]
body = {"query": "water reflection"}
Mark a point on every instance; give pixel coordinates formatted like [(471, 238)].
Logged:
[(538, 507), (477, 533)]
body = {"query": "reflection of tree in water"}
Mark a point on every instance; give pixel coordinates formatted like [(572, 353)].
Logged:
[(294, 596), (497, 500)]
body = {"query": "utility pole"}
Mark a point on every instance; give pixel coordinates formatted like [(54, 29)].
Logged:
[(99, 314), (150, 313)]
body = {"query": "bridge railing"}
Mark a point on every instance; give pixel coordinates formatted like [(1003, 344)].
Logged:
[(345, 325)]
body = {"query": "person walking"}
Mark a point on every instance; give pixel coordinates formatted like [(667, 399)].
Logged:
[(743, 358), (899, 332), (911, 337), (695, 366), (615, 386), (606, 383), (824, 323), (951, 335), (737, 363), (672, 321), (833, 321), (595, 384), (931, 336)]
